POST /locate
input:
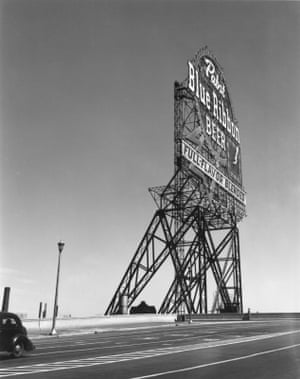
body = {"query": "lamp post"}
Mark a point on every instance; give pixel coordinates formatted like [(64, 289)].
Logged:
[(60, 245)]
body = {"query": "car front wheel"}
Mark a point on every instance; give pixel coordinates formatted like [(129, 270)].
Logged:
[(18, 349)]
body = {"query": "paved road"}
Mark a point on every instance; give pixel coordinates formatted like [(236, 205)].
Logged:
[(256, 350)]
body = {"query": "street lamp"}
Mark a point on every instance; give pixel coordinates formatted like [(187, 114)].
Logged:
[(60, 245)]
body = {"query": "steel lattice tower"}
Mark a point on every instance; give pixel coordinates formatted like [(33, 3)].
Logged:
[(195, 226)]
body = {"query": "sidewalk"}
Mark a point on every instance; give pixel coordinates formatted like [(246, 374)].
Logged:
[(86, 325)]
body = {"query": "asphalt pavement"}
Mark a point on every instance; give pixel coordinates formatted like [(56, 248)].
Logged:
[(254, 349)]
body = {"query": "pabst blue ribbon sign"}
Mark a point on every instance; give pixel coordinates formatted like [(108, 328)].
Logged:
[(212, 143)]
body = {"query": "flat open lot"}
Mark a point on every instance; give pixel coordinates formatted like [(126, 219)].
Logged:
[(254, 349)]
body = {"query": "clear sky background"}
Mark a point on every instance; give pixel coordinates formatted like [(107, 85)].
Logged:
[(86, 127)]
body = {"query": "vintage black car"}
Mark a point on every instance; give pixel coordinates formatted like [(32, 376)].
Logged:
[(13, 335)]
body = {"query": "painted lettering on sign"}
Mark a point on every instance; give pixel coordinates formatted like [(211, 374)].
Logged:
[(212, 172), (213, 100), (214, 77)]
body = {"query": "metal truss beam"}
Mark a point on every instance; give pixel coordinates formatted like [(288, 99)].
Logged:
[(189, 287)]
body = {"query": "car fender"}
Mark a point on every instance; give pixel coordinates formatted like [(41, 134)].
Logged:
[(28, 345)]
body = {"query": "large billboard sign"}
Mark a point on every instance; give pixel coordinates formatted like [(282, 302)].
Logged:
[(211, 143)]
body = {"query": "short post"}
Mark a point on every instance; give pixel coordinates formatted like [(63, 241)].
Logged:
[(5, 302), (40, 315)]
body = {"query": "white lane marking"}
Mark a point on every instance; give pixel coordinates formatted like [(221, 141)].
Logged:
[(218, 362), (150, 338), (114, 344), (78, 343), (100, 360)]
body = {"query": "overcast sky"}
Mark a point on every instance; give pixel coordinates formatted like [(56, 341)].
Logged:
[(86, 126)]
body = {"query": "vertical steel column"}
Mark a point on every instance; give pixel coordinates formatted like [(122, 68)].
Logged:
[(203, 263), (238, 271), (178, 210)]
